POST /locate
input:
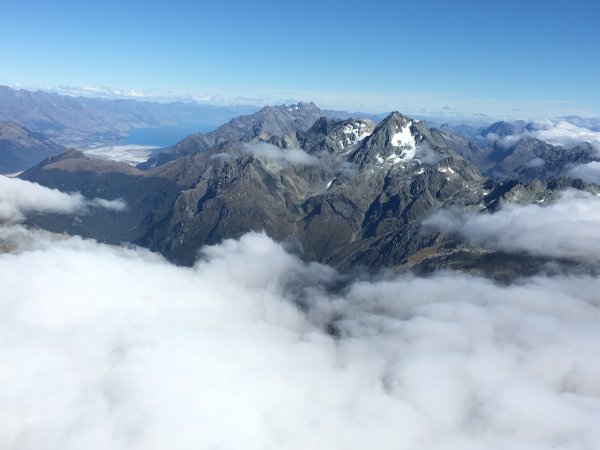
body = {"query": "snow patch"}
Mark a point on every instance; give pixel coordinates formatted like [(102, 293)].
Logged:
[(404, 138), (355, 132)]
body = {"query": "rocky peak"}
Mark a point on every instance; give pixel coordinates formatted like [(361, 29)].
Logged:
[(394, 141), (501, 129), (335, 136), (276, 124), (71, 153)]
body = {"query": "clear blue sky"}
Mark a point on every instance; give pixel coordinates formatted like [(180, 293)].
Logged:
[(501, 58)]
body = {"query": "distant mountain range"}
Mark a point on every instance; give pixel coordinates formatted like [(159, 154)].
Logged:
[(84, 120), (71, 120)]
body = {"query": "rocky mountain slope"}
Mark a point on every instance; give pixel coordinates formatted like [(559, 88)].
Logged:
[(508, 154), (21, 148), (276, 124), (148, 196)]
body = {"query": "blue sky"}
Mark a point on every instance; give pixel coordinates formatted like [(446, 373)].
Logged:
[(521, 59)]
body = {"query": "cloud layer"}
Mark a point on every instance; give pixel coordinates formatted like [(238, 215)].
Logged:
[(566, 134), (105, 347), (561, 133), (112, 348), (569, 228)]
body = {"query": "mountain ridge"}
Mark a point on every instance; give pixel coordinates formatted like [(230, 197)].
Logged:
[(21, 148), (358, 196)]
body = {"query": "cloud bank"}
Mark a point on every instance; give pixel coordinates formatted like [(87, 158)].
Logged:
[(560, 133), (106, 347), (566, 134), (115, 348), (569, 228)]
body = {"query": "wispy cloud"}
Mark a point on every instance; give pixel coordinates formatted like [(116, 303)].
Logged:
[(19, 197), (569, 228), (294, 156), (590, 172), (554, 132)]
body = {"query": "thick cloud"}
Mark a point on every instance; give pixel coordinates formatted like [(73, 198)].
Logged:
[(590, 172), (112, 348), (106, 347), (560, 133), (18, 197), (568, 228), (566, 134)]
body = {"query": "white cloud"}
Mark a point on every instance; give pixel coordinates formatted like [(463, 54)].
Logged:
[(535, 162), (560, 133), (568, 228), (590, 172), (116, 205), (294, 156), (112, 348), (566, 134), (426, 155), (19, 197)]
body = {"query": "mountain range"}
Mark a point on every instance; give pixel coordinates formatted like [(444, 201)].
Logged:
[(79, 120), (346, 192)]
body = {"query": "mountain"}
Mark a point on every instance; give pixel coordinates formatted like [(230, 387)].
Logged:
[(501, 129), (522, 157), (21, 148), (361, 203), (343, 115), (355, 195), (70, 120), (334, 136), (358, 200), (271, 123), (148, 196), (551, 162)]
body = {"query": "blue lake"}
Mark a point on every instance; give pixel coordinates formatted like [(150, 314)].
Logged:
[(165, 136)]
